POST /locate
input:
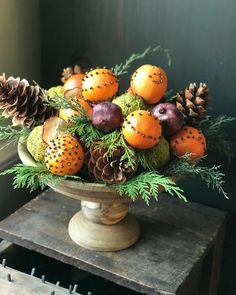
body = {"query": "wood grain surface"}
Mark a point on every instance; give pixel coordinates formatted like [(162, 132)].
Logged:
[(175, 237)]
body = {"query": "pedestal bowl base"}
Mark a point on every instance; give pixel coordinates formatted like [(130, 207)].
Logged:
[(101, 237)]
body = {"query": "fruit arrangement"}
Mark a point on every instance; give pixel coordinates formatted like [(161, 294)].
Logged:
[(86, 130)]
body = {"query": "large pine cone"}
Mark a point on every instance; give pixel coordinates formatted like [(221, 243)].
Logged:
[(193, 103), (108, 169), (69, 71), (23, 102)]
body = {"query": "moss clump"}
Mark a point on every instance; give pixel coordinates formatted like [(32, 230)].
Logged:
[(56, 91), (35, 144), (161, 152), (129, 103)]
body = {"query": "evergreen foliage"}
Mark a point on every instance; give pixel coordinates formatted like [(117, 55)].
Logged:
[(34, 177), (147, 185)]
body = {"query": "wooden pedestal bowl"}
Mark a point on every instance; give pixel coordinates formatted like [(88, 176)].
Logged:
[(103, 224)]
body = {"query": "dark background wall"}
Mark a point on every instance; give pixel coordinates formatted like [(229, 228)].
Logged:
[(201, 37)]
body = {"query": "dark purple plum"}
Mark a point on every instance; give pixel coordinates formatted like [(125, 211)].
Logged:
[(171, 118), (107, 116)]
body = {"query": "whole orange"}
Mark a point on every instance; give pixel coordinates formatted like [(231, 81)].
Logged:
[(149, 82), (141, 129), (73, 86), (99, 85), (190, 141)]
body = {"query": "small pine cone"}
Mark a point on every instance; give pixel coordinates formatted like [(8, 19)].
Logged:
[(69, 71), (110, 169), (22, 102), (193, 103)]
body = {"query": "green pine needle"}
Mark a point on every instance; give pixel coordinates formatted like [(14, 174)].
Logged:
[(215, 130), (34, 177), (212, 176), (122, 68), (147, 185)]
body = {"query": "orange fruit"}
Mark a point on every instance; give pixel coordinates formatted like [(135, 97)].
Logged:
[(99, 85), (189, 140), (141, 129), (64, 155), (149, 82), (68, 114), (73, 86)]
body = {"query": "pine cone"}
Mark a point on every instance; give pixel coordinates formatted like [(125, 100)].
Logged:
[(108, 169), (69, 71), (193, 103), (22, 101)]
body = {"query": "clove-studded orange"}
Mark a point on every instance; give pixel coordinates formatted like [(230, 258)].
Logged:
[(190, 141), (141, 129), (73, 86), (149, 82), (64, 155), (99, 85)]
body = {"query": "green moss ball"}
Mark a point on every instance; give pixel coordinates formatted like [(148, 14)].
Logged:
[(35, 144), (162, 153), (129, 103), (56, 91)]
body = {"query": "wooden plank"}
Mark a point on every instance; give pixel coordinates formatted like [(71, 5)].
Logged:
[(216, 262), (174, 237), (5, 246), (13, 282)]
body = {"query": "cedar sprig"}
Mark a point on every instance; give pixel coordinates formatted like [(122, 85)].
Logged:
[(147, 159), (85, 130), (60, 102), (11, 134), (122, 68), (34, 177), (212, 176), (147, 185), (215, 130), (2, 118), (114, 139)]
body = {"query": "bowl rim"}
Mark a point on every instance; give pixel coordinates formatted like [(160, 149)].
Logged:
[(27, 159), (81, 190)]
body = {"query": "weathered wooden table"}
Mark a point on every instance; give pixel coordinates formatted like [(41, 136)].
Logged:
[(179, 251)]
